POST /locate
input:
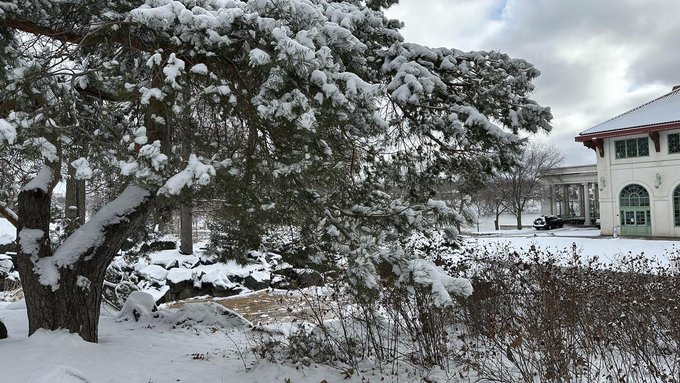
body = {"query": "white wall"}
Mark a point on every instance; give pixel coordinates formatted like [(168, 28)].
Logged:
[(619, 173)]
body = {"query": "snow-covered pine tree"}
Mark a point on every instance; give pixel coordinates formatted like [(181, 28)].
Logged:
[(320, 101)]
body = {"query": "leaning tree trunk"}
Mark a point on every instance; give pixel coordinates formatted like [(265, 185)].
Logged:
[(63, 289)]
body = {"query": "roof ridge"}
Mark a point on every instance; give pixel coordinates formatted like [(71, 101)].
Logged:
[(632, 110)]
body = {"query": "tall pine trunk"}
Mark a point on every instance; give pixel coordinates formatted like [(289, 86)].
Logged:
[(73, 300), (186, 222), (186, 244)]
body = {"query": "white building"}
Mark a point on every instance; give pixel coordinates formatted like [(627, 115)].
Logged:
[(573, 194), (638, 168)]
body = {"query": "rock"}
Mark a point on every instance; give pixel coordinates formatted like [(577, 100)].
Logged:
[(255, 284), (183, 290), (8, 248), (6, 266), (138, 304), (162, 245), (280, 282), (127, 245), (156, 275), (222, 291), (207, 315), (300, 278)]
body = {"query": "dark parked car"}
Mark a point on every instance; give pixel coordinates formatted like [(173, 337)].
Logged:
[(548, 222)]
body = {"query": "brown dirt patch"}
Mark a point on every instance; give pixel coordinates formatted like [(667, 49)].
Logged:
[(266, 306)]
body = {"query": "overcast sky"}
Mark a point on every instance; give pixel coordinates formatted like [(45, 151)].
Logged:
[(598, 58)]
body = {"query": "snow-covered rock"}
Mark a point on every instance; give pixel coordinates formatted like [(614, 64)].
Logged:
[(138, 304), (8, 232), (299, 277), (172, 258), (177, 275), (154, 274), (6, 266), (206, 314)]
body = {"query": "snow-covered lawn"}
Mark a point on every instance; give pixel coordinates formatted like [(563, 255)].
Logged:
[(149, 351), (587, 240)]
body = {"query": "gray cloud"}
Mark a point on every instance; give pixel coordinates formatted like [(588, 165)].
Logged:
[(598, 58)]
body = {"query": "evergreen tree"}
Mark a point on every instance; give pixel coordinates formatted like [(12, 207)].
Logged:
[(315, 110)]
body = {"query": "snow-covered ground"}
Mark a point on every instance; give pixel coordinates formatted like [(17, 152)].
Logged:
[(7, 232), (586, 240), (486, 222), (157, 350), (149, 351)]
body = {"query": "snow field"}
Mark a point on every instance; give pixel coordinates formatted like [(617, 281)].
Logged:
[(203, 347)]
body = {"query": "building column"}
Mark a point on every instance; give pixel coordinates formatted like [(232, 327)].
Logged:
[(565, 201), (596, 199), (553, 200), (581, 198), (586, 202)]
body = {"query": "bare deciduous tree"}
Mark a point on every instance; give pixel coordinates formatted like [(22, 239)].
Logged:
[(514, 188)]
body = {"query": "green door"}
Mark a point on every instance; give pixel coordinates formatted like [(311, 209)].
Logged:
[(636, 219)]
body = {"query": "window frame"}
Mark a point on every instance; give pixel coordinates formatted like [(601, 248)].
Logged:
[(624, 146), (634, 195), (676, 144), (676, 206)]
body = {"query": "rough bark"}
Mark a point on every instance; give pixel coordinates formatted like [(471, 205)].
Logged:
[(74, 208), (75, 303), (186, 222), (186, 245)]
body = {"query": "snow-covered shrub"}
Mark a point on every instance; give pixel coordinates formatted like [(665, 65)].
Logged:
[(391, 309)]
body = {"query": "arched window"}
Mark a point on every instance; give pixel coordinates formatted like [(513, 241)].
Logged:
[(676, 205), (635, 212), (635, 195)]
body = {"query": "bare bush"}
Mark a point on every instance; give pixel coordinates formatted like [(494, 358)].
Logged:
[(535, 317)]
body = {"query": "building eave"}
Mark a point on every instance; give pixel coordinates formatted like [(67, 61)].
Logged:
[(628, 131)]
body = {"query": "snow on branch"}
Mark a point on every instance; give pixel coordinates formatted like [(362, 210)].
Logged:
[(196, 171), (8, 133), (443, 286), (85, 241), (9, 214), (41, 181)]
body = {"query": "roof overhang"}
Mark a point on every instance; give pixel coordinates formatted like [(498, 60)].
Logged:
[(627, 132)]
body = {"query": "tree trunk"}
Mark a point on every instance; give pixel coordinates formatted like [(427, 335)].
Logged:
[(74, 201), (496, 222), (519, 220), (186, 245), (71, 299), (186, 222)]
